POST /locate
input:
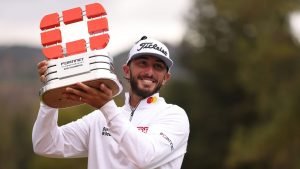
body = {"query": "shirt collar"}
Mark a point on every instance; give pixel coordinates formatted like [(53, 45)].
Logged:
[(149, 101)]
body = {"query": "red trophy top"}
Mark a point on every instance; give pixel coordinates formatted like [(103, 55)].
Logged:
[(94, 16)]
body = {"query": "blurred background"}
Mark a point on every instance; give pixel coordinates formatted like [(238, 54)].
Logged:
[(236, 74)]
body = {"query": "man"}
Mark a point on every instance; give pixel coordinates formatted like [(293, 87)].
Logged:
[(145, 133)]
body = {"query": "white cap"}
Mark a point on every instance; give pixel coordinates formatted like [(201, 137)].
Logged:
[(152, 47)]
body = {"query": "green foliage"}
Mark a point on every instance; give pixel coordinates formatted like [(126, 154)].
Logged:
[(73, 113), (50, 163)]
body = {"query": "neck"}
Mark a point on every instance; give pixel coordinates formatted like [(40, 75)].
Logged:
[(134, 100)]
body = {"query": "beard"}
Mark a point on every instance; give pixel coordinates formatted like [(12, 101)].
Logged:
[(143, 93)]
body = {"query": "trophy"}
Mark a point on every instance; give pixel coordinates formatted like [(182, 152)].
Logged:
[(81, 60)]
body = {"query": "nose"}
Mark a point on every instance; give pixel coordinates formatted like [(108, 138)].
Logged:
[(149, 70)]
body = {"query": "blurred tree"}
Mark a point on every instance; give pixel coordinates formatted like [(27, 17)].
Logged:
[(242, 99)]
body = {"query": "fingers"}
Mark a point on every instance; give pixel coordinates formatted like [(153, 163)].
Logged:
[(74, 97), (42, 63), (86, 94), (87, 89), (105, 89), (42, 68), (76, 93), (43, 78), (81, 93)]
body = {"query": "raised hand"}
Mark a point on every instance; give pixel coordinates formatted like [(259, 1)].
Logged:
[(42, 68), (95, 97)]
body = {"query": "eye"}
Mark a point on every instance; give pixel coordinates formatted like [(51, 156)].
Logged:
[(142, 63), (159, 66)]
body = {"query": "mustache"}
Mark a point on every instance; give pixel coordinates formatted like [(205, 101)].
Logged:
[(142, 77), (147, 78)]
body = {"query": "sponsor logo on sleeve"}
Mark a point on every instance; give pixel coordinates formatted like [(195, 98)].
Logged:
[(169, 140)]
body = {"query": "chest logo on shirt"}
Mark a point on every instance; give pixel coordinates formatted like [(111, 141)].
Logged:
[(143, 129), (151, 99), (105, 132)]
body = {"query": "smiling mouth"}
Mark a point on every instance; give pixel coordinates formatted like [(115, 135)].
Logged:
[(147, 81)]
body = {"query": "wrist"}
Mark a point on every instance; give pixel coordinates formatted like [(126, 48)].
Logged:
[(109, 110)]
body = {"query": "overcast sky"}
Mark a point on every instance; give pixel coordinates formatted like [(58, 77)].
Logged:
[(128, 20)]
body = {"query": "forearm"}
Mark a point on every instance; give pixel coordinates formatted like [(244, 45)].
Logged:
[(51, 140), (44, 130)]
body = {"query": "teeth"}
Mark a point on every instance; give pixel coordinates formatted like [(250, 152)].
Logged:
[(147, 81)]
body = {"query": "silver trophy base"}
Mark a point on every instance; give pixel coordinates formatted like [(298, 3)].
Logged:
[(91, 68)]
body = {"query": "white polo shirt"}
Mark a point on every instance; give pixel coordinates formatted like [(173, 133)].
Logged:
[(156, 136)]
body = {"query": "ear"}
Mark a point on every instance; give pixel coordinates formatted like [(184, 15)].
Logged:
[(167, 77), (126, 71)]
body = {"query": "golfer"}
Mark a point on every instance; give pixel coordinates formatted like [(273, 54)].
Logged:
[(145, 133)]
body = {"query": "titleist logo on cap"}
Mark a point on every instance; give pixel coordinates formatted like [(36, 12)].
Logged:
[(150, 45)]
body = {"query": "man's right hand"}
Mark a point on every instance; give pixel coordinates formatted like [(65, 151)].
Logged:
[(42, 68)]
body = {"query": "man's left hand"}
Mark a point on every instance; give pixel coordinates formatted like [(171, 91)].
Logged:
[(96, 97)]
